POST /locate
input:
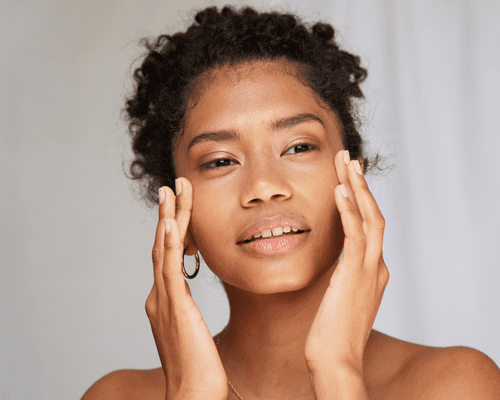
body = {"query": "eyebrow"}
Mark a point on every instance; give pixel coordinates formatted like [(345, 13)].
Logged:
[(231, 135)]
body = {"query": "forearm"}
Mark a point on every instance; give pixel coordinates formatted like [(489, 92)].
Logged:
[(338, 383)]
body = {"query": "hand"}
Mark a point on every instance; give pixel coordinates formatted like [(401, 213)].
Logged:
[(345, 317), (189, 358)]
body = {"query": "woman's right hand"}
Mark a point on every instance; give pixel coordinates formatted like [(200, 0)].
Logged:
[(189, 357)]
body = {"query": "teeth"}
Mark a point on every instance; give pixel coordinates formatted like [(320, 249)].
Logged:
[(276, 232)]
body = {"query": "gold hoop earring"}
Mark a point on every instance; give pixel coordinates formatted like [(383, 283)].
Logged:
[(197, 266)]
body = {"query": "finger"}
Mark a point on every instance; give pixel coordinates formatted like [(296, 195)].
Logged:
[(166, 209), (341, 167), (172, 262), (354, 243), (183, 207), (373, 220), (158, 255)]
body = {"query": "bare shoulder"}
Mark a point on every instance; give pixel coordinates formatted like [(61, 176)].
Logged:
[(452, 372), (425, 372), (129, 384)]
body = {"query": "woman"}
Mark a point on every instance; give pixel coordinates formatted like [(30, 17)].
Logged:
[(255, 113)]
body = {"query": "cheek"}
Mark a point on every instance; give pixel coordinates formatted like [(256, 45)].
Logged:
[(324, 184), (199, 223), (323, 196), (207, 217), (328, 206)]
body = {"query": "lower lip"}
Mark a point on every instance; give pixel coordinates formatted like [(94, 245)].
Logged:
[(280, 244)]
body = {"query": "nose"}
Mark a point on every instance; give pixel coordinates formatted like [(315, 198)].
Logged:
[(265, 180)]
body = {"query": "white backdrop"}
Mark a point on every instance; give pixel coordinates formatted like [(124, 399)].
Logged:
[(75, 245)]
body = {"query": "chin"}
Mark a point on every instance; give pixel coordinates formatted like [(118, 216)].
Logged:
[(276, 280)]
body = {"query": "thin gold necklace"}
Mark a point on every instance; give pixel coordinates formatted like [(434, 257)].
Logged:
[(228, 381)]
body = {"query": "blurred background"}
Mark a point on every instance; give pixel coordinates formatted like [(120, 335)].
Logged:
[(75, 244)]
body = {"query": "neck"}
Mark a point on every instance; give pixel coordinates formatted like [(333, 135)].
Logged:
[(267, 333)]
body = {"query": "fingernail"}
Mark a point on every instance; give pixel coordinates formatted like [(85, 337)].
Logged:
[(161, 193), (357, 167), (343, 192), (346, 157), (167, 226), (178, 187)]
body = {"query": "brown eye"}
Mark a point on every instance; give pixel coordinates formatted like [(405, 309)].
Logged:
[(217, 161), (302, 146), (225, 162)]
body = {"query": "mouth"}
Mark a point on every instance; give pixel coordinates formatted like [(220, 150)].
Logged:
[(272, 237)]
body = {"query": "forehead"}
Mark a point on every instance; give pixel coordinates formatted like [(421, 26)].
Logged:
[(243, 85), (233, 74), (250, 93)]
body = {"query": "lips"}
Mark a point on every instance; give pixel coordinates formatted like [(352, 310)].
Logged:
[(274, 245), (272, 222), (271, 237)]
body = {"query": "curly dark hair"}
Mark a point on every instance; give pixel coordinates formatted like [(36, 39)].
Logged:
[(173, 65)]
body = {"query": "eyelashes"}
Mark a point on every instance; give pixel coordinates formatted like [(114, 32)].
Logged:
[(207, 166)]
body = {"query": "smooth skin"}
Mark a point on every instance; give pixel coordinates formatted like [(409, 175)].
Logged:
[(301, 323)]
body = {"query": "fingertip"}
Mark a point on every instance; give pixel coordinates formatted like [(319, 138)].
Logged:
[(187, 193), (340, 166), (161, 194), (346, 194), (178, 186), (343, 192), (186, 184)]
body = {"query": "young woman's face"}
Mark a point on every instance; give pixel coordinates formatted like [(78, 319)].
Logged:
[(263, 174)]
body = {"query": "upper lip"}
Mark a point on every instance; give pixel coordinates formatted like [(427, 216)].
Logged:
[(269, 223)]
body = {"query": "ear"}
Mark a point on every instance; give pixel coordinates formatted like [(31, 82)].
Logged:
[(189, 243)]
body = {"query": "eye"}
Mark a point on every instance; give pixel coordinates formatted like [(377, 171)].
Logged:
[(217, 160), (225, 162), (302, 146)]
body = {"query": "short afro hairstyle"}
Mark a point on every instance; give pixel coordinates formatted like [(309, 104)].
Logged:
[(173, 65)]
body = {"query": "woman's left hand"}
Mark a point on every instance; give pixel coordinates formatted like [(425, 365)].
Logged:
[(344, 320)]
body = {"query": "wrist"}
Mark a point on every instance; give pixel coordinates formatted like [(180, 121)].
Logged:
[(338, 381), (197, 396)]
